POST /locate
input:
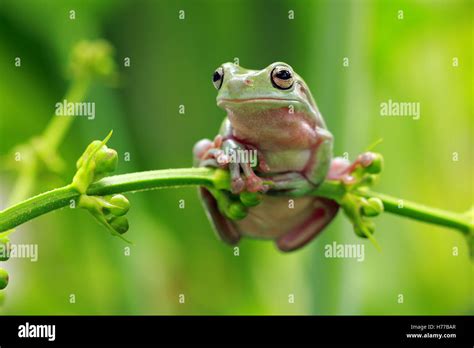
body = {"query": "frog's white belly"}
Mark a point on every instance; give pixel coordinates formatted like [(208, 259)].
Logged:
[(274, 217), (286, 160)]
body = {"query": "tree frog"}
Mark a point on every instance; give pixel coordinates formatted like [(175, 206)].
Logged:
[(272, 115)]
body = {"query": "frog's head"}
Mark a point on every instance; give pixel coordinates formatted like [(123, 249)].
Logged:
[(276, 90)]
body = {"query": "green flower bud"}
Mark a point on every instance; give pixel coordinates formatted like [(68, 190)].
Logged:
[(4, 251), (96, 162), (377, 164), (250, 199), (108, 210), (367, 180), (118, 205), (119, 224), (93, 58), (90, 150), (236, 211), (222, 179), (99, 159), (3, 279), (358, 231), (105, 162), (372, 207)]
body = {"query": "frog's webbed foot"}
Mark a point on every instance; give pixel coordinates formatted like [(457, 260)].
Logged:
[(241, 160), (245, 184), (247, 181), (235, 156), (262, 164), (342, 169), (359, 175), (209, 153)]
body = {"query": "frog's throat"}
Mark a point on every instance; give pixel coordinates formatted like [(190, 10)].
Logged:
[(235, 106)]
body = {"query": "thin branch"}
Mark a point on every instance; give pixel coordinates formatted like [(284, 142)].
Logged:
[(416, 211), (168, 178)]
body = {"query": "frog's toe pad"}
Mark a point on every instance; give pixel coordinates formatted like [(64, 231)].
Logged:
[(237, 185), (254, 184), (366, 159), (201, 148)]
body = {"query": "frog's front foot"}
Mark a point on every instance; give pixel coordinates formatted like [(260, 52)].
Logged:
[(341, 169), (223, 154), (360, 174), (243, 177), (208, 153), (245, 180)]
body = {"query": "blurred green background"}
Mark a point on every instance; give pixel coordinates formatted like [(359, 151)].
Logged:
[(172, 60)]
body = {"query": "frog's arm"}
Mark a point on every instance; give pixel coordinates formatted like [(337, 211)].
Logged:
[(249, 180), (318, 166), (226, 128)]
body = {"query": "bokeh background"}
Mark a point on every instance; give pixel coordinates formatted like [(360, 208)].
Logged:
[(175, 251)]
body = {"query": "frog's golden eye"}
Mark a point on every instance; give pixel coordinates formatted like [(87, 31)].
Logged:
[(218, 77), (282, 77)]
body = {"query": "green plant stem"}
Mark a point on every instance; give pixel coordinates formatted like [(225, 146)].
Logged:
[(46, 144), (58, 127), (156, 179), (25, 181), (153, 179), (36, 206), (424, 213)]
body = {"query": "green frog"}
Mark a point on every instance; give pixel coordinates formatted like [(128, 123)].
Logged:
[(272, 115)]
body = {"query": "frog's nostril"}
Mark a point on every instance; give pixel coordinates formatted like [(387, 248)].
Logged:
[(236, 85)]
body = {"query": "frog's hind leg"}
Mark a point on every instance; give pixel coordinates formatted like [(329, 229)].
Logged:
[(224, 227), (324, 211)]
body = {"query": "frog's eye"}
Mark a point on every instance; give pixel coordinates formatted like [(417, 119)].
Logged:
[(282, 77), (218, 77)]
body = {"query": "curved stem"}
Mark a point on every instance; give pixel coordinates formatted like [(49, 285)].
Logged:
[(58, 127), (423, 213), (156, 179)]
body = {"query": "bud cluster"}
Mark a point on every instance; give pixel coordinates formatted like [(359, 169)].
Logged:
[(95, 163)]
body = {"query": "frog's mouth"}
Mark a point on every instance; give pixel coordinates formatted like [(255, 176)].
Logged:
[(224, 101)]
